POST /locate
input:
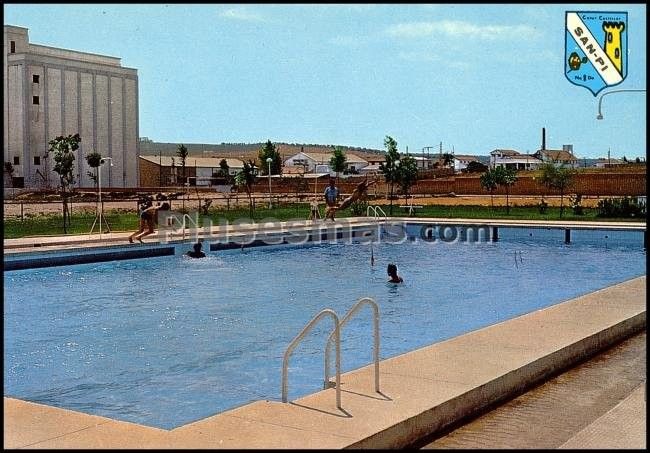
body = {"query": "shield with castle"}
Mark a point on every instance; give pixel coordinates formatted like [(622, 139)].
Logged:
[(595, 49)]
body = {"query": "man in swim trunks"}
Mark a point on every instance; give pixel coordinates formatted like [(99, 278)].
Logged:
[(358, 192), (148, 220)]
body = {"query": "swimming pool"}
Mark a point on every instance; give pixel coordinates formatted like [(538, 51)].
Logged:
[(164, 341)]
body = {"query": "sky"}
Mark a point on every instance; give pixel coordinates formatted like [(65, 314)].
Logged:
[(475, 77)]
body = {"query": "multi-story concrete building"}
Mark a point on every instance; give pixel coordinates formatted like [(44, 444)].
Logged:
[(51, 92)]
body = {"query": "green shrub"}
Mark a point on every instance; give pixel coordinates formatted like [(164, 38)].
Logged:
[(620, 207), (359, 208)]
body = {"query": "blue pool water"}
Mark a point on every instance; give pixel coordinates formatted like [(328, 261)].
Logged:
[(167, 341)]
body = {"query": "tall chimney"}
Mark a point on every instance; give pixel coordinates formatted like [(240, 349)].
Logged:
[(543, 138)]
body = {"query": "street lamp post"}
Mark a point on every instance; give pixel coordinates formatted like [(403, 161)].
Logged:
[(268, 161), (600, 101), (100, 209)]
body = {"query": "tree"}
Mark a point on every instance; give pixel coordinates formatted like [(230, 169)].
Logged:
[(63, 148), (505, 177), (224, 170), (270, 150), (337, 162), (389, 168), (489, 182), (408, 174), (9, 169), (559, 178), (447, 159), (94, 160), (476, 167), (246, 178), (182, 154)]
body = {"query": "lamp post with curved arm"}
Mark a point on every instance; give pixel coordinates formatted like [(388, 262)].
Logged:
[(100, 208), (268, 161), (600, 101)]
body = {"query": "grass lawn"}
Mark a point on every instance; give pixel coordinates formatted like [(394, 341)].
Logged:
[(51, 225)]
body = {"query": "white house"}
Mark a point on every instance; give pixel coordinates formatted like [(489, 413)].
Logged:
[(423, 162), (509, 158), (603, 162), (461, 161), (320, 162)]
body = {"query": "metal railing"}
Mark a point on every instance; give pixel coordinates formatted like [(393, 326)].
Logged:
[(170, 219), (300, 336), (355, 308), (376, 210)]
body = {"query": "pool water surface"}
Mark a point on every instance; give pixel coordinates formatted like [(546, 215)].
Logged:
[(169, 340)]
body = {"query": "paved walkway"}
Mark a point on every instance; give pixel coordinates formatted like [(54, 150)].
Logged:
[(598, 404)]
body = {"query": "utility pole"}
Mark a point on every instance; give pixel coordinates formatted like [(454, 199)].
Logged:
[(427, 148)]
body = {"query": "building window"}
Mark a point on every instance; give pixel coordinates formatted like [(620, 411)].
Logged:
[(35, 100), (16, 160), (35, 78), (37, 160), (13, 46)]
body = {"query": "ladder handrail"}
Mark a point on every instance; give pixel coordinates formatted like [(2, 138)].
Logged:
[(191, 221), (356, 307), (294, 343), (376, 210)]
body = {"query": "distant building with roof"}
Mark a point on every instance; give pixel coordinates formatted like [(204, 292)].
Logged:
[(161, 171), (509, 158), (461, 161), (560, 157), (320, 162), (604, 162)]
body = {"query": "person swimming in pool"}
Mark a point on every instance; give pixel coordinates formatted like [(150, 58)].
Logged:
[(392, 273), (197, 253)]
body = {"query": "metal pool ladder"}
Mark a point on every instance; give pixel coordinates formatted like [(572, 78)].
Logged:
[(300, 336), (355, 308), (376, 210), (336, 336)]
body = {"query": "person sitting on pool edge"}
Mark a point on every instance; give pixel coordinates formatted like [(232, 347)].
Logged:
[(197, 253), (392, 273), (148, 220)]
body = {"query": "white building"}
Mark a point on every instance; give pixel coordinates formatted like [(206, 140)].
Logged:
[(461, 161), (51, 92), (320, 162), (604, 162), (423, 162), (559, 157), (509, 158)]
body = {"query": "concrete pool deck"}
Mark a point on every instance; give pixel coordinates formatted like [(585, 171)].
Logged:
[(52, 243), (421, 392)]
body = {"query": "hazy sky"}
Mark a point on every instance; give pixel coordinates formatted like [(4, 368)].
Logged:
[(476, 77)]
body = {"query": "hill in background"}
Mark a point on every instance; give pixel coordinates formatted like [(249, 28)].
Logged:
[(245, 151)]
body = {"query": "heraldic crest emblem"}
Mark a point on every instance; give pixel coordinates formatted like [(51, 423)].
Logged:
[(595, 49)]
